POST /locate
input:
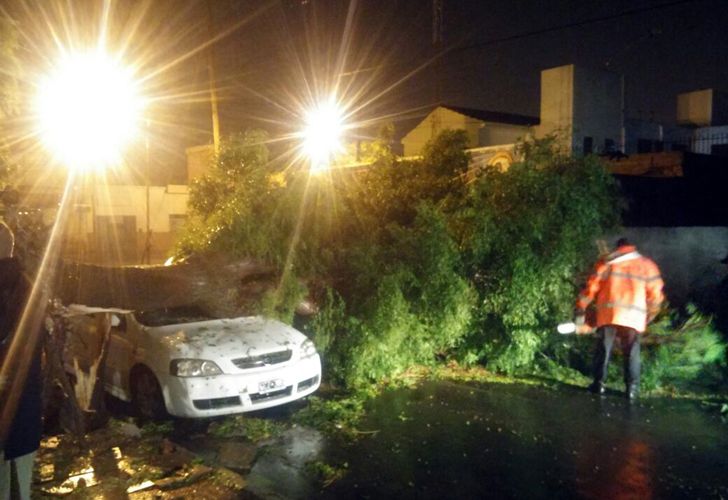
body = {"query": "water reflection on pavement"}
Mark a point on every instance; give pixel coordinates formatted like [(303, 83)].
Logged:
[(449, 440)]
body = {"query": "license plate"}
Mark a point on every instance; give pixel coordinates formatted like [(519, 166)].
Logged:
[(270, 385)]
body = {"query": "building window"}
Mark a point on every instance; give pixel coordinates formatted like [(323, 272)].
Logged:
[(608, 145), (588, 145), (176, 221)]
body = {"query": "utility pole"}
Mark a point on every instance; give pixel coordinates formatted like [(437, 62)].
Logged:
[(437, 6), (211, 76), (146, 256), (437, 38)]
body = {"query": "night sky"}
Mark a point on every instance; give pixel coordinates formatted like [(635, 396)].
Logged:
[(273, 58), (491, 52)]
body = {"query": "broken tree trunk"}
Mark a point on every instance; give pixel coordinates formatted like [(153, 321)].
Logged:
[(55, 374), (220, 287), (83, 407), (89, 386)]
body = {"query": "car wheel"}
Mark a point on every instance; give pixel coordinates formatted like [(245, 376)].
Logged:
[(147, 395)]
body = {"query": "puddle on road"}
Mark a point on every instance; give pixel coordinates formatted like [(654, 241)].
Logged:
[(448, 440), (281, 472)]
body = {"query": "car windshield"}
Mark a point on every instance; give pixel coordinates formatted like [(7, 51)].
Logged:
[(171, 316)]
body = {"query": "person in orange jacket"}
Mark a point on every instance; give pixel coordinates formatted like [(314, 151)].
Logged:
[(626, 289)]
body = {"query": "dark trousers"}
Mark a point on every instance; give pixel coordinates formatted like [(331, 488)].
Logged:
[(629, 339)]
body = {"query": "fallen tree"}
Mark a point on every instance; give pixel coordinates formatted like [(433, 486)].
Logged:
[(220, 287)]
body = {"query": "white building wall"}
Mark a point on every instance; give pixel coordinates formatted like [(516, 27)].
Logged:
[(496, 134), (438, 120), (577, 102), (121, 201), (557, 103), (108, 224), (479, 133), (598, 108)]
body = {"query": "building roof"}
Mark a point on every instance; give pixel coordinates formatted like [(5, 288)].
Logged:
[(494, 116)]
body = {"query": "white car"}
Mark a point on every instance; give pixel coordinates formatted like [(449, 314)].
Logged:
[(179, 362)]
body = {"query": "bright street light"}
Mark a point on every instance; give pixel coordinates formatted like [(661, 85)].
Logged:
[(322, 133), (88, 108)]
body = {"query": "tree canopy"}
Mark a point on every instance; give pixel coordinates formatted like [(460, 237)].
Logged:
[(414, 261), (9, 75)]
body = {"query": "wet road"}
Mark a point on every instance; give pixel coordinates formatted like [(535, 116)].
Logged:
[(449, 440)]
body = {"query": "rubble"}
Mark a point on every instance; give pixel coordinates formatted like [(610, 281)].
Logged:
[(123, 460)]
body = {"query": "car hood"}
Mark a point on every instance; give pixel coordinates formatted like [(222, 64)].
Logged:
[(227, 338)]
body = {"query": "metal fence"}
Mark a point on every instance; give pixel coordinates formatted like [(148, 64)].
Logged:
[(695, 142)]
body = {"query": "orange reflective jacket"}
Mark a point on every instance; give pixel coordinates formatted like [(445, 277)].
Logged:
[(626, 288)]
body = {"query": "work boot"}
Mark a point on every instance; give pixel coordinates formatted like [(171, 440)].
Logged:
[(632, 392), (596, 388)]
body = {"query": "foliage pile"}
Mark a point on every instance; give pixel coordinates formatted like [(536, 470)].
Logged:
[(325, 474), (340, 415), (688, 354), (415, 261), (253, 429)]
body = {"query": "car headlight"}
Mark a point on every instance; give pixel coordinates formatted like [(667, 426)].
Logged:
[(193, 368), (308, 349)]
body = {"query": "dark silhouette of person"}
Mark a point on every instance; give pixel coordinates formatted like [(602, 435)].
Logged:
[(17, 452)]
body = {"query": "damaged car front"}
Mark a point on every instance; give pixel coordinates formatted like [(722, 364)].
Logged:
[(178, 361)]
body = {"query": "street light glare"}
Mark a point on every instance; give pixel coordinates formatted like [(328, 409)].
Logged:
[(88, 108), (322, 133)]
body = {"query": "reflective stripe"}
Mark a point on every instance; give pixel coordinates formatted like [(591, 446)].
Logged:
[(636, 277), (614, 305), (624, 257)]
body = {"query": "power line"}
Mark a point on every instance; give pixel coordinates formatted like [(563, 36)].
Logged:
[(438, 27), (574, 24)]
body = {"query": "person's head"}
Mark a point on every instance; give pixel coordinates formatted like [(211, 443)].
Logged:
[(622, 242), (7, 241)]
